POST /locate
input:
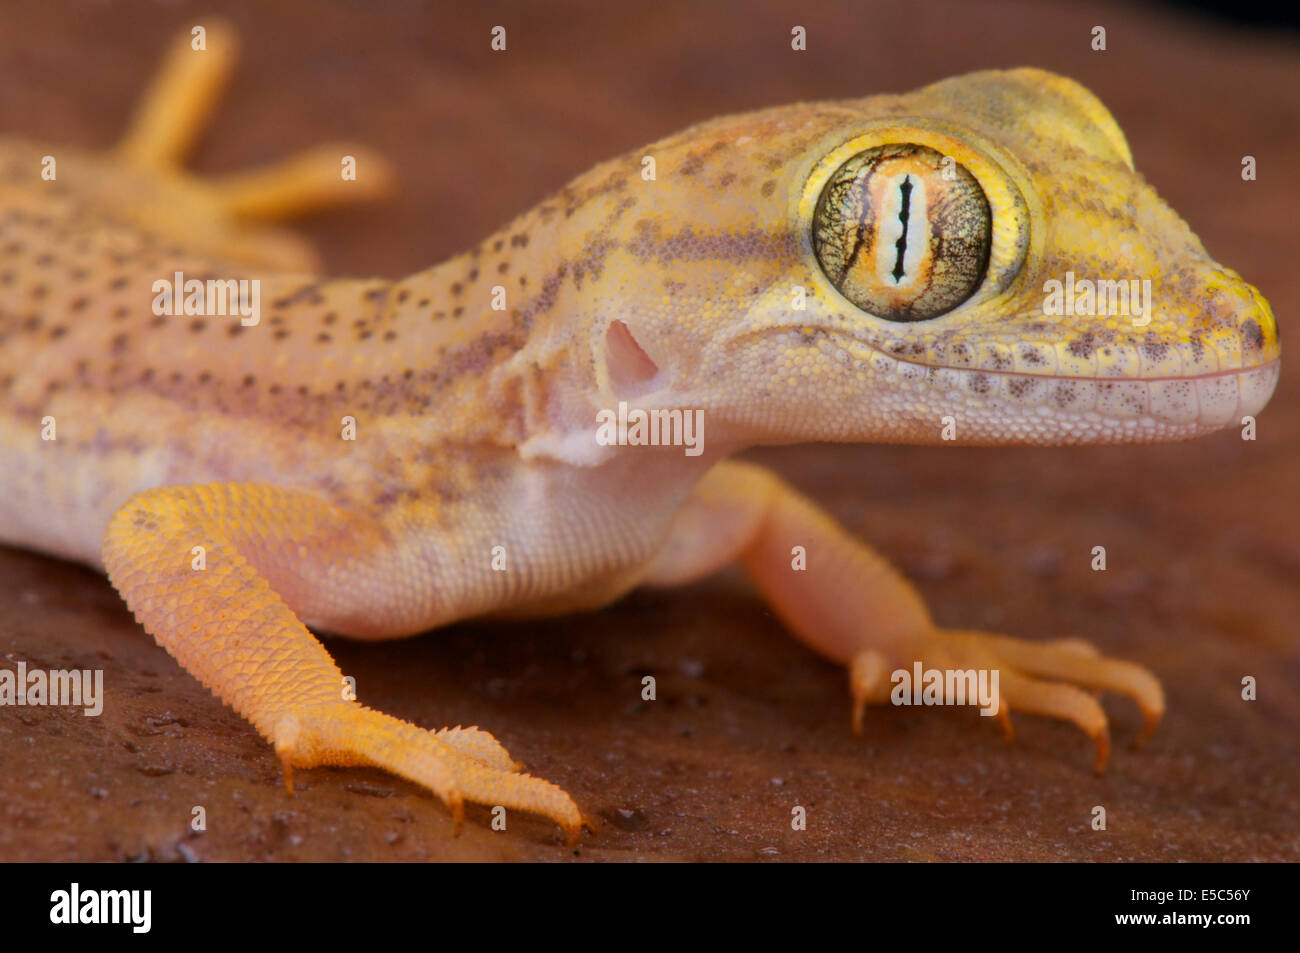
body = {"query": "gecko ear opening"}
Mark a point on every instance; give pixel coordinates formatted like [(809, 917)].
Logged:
[(631, 370)]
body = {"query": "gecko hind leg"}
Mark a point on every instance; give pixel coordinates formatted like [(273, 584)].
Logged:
[(178, 105), (306, 182)]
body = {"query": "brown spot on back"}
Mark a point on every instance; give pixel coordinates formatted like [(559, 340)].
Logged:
[(309, 292)]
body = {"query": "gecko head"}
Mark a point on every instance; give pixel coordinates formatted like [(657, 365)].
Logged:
[(975, 261)]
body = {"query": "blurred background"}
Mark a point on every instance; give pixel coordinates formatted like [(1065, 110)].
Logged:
[(1203, 538)]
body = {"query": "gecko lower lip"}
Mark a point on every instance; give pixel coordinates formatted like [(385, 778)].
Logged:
[(1202, 402)]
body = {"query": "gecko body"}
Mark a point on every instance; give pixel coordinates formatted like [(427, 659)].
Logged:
[(376, 458)]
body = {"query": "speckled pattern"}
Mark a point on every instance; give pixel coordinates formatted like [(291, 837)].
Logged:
[(749, 724)]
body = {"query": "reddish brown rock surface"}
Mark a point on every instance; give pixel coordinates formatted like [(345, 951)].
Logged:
[(1203, 538)]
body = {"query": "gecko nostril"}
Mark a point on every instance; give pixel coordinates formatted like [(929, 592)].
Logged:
[(1236, 309), (1255, 321), (1269, 330)]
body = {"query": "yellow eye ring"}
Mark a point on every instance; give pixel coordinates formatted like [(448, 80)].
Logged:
[(864, 175)]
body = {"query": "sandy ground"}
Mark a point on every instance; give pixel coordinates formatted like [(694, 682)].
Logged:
[(1202, 538)]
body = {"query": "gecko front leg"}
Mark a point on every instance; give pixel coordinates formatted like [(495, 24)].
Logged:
[(231, 620), (854, 608)]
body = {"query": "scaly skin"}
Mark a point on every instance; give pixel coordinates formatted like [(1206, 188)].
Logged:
[(475, 427)]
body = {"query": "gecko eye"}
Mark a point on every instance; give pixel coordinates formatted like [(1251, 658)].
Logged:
[(903, 232)]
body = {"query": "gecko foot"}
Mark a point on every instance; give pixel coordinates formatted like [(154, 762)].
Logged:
[(456, 764), (1036, 678), (173, 113)]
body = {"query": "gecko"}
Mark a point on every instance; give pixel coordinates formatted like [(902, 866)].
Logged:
[(378, 458)]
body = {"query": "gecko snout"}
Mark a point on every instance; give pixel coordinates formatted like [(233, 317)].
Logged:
[(1233, 358), (1261, 350)]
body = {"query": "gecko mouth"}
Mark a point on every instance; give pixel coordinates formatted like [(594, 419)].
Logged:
[(1154, 378), (1199, 402)]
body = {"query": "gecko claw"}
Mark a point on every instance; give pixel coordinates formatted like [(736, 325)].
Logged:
[(1103, 752), (1150, 722), (1060, 680)]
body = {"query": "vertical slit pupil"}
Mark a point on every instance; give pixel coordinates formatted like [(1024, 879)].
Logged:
[(904, 211)]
